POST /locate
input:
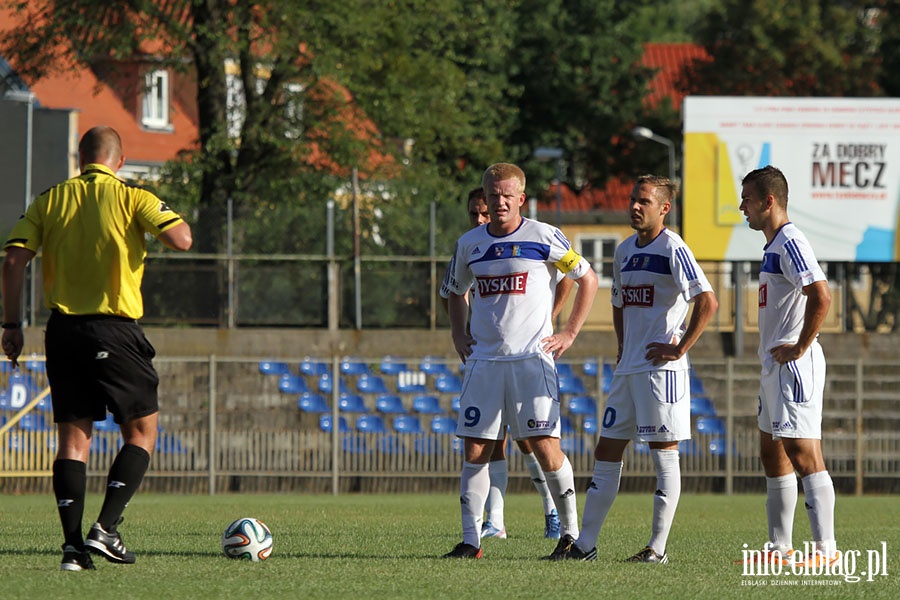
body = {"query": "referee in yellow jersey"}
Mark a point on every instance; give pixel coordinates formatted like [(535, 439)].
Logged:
[(91, 229)]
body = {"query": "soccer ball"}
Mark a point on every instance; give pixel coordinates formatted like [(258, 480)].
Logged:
[(247, 538)]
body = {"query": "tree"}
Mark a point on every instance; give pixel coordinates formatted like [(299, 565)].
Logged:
[(773, 48)]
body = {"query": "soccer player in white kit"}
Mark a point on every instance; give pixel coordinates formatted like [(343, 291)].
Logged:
[(510, 376), (793, 302), (655, 277), (494, 522)]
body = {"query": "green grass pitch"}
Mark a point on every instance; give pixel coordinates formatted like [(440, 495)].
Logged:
[(387, 546)]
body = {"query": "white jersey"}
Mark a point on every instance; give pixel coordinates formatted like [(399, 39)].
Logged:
[(514, 279), (788, 265), (653, 285)]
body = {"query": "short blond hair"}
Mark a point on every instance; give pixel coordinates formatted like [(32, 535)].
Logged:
[(502, 172)]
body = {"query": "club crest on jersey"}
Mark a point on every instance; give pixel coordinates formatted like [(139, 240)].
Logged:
[(638, 295), (640, 263), (498, 251), (513, 283)]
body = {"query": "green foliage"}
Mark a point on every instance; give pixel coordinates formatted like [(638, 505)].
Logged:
[(803, 48)]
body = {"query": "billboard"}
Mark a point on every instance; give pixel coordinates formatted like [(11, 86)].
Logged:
[(841, 157)]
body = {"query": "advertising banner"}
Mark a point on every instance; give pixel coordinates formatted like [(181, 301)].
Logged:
[(841, 157)]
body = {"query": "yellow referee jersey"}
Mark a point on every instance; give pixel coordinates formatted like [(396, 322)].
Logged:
[(91, 228)]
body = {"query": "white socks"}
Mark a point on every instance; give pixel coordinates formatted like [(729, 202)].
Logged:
[(562, 487), (474, 484), (600, 496), (819, 491), (499, 473), (665, 501), (540, 482), (781, 501)]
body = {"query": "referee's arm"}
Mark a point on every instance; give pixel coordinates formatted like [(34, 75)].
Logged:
[(14, 263), (177, 237)]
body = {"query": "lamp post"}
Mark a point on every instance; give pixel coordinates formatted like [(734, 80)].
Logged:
[(543, 153), (645, 133)]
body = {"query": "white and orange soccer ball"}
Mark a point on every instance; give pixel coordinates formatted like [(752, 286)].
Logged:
[(247, 538)]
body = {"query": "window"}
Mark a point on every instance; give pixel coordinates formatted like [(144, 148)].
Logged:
[(599, 251), (156, 100)]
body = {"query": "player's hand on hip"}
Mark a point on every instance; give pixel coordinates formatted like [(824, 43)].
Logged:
[(786, 353), (463, 345), (660, 353), (557, 343)]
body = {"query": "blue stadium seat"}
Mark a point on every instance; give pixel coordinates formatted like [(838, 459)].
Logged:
[(310, 366), (590, 367), (434, 365), (571, 385), (454, 404), (582, 405), (292, 384), (389, 404), (590, 425), (565, 425), (564, 370), (446, 425), (448, 384), (354, 366), (370, 424), (312, 403), (352, 403), (710, 426), (371, 384), (268, 367), (391, 366), (325, 424), (326, 384), (701, 406), (429, 405), (407, 424), (107, 424)]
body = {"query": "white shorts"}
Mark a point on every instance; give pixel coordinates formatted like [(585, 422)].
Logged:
[(651, 406), (790, 396), (522, 393)]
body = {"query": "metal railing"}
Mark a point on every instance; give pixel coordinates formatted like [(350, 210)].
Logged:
[(225, 425)]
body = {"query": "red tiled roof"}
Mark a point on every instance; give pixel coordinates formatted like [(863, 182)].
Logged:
[(669, 59)]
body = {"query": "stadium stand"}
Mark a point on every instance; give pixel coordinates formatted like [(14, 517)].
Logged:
[(407, 424), (389, 404), (354, 366), (433, 365), (590, 367), (312, 367), (427, 405), (267, 367), (443, 425), (371, 384), (571, 385), (582, 405), (352, 403), (590, 426), (448, 383), (325, 424), (411, 382), (454, 404), (710, 426), (292, 384), (326, 384), (391, 366), (312, 403), (371, 424), (701, 406), (564, 370)]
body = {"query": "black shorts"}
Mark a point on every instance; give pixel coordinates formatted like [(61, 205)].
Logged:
[(99, 362)]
